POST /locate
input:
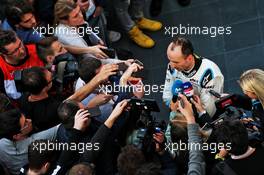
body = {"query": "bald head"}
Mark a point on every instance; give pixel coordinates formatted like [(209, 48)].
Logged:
[(180, 54)]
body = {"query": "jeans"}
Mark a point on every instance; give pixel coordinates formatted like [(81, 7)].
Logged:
[(127, 11)]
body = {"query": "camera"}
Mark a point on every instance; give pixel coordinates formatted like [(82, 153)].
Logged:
[(146, 125), (227, 106), (65, 67)]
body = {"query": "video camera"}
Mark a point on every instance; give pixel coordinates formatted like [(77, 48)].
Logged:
[(146, 124), (227, 106), (64, 70)]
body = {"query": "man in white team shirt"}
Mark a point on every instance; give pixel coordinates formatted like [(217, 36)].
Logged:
[(186, 66)]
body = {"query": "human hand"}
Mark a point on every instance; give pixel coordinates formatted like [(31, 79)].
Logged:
[(187, 110), (106, 71), (99, 100), (118, 109), (115, 113), (81, 119), (131, 69), (197, 103), (129, 62), (96, 51), (159, 140), (174, 106)]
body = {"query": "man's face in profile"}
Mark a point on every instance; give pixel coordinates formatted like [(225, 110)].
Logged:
[(177, 60), (16, 50)]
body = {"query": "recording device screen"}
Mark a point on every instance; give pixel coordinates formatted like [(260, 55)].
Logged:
[(145, 104), (225, 102)]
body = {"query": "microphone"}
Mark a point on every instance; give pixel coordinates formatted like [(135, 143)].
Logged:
[(176, 89), (188, 90)]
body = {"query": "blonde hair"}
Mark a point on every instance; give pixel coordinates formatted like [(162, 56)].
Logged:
[(179, 123), (253, 81), (62, 10)]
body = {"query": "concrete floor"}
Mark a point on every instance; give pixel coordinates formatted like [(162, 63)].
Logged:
[(243, 49)]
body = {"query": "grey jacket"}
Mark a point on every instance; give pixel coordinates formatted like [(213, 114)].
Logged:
[(196, 158)]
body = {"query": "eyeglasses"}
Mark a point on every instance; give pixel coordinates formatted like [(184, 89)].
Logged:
[(15, 50)]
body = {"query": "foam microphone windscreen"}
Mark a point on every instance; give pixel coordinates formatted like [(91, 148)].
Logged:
[(176, 89), (187, 89)]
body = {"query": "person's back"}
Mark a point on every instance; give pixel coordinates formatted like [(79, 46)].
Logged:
[(243, 159), (248, 165), (43, 112)]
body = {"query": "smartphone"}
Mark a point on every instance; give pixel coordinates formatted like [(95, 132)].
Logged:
[(138, 62), (111, 53), (122, 66), (95, 112), (157, 130)]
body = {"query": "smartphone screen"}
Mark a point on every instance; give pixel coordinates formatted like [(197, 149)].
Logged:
[(109, 52)]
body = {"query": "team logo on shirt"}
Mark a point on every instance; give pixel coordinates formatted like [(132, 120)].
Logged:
[(207, 77)]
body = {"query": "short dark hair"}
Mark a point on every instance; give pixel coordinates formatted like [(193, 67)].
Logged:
[(129, 160), (187, 47), (234, 132), (34, 79), (87, 68), (10, 123), (6, 37), (67, 111), (82, 168), (44, 47), (149, 169), (37, 159), (16, 9)]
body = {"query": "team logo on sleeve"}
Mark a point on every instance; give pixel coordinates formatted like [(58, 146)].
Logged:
[(207, 77)]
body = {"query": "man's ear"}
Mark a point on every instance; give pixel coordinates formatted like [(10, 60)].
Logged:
[(189, 57), (46, 167)]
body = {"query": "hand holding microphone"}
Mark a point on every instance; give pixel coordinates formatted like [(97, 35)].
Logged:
[(187, 110), (177, 88)]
